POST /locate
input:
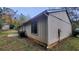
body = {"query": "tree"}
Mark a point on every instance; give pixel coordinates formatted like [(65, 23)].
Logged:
[(23, 18), (1, 23), (0, 12), (73, 14), (8, 14)]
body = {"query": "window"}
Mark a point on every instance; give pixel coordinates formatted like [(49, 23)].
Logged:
[(34, 27)]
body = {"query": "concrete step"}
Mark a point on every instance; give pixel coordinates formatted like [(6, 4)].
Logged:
[(12, 35)]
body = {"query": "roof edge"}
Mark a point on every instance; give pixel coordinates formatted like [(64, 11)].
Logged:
[(45, 11)]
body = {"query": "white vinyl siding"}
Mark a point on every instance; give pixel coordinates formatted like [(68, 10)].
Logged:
[(54, 24)]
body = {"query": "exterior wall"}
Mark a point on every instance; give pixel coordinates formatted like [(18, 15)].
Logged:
[(54, 24), (41, 29), (6, 27)]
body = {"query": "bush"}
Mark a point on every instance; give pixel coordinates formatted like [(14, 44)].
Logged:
[(12, 26)]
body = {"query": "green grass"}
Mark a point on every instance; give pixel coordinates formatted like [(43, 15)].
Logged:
[(70, 44), (8, 32), (24, 44), (18, 44)]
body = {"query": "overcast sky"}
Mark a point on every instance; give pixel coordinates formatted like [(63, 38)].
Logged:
[(31, 11)]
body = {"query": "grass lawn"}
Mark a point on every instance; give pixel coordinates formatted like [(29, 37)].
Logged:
[(8, 32), (18, 44), (21, 44), (70, 44), (24, 44)]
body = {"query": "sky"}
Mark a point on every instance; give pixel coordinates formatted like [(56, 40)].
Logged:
[(29, 11)]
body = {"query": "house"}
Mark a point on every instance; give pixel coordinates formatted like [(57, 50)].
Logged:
[(5, 26), (48, 27)]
